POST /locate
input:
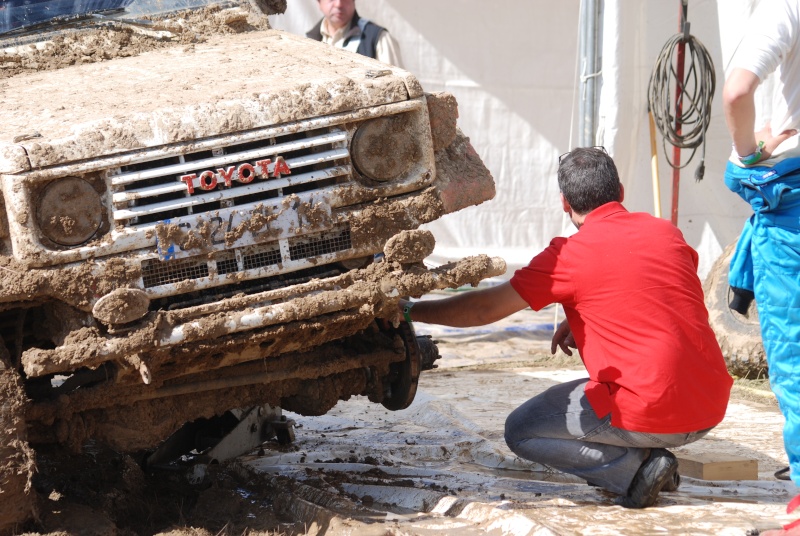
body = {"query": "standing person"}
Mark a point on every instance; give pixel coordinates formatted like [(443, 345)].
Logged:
[(764, 169), (634, 306), (341, 26)]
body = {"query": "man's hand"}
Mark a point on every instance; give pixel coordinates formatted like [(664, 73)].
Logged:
[(563, 339), (771, 142)]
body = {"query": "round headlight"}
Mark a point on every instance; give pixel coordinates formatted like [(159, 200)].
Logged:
[(385, 148), (70, 211)]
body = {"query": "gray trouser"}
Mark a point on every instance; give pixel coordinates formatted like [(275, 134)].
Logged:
[(559, 428)]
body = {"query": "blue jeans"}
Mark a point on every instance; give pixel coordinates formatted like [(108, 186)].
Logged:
[(559, 428)]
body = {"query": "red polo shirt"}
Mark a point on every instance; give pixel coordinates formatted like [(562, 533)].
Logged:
[(629, 287)]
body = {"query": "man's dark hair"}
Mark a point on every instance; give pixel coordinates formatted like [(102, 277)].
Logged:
[(588, 179)]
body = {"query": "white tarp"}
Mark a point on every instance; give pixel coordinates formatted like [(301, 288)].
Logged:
[(513, 67)]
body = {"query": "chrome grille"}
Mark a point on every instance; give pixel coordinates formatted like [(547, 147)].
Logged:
[(157, 190)]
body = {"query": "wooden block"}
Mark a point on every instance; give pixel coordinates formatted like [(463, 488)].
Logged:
[(717, 466)]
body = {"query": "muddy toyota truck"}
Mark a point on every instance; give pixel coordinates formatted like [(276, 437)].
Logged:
[(200, 216)]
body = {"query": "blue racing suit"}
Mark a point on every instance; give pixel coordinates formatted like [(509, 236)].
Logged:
[(767, 262)]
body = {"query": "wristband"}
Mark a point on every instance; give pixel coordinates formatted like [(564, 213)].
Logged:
[(754, 157), (407, 311)]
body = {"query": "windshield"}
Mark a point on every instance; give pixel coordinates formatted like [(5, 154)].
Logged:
[(21, 14)]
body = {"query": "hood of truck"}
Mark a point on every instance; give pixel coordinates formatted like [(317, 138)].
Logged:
[(228, 83)]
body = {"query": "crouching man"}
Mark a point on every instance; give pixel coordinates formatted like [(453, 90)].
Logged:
[(634, 309)]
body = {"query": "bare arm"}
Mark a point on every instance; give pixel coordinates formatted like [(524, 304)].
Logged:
[(738, 103), (474, 308)]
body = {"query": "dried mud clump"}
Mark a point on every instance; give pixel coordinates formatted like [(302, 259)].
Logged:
[(257, 224), (80, 286), (459, 162), (122, 306), (409, 246), (443, 112), (386, 219)]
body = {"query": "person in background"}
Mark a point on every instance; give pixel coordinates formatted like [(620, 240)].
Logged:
[(341, 27), (764, 169), (634, 306)]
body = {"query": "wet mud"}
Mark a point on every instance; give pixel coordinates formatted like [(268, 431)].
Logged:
[(440, 467), (16, 457)]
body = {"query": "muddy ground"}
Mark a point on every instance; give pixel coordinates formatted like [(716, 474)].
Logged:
[(438, 467)]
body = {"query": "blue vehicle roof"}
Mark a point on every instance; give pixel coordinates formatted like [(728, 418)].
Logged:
[(16, 14), (21, 14)]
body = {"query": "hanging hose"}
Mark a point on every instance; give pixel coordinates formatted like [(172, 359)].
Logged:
[(697, 88)]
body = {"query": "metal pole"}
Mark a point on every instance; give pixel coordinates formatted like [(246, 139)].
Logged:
[(587, 109), (676, 151)]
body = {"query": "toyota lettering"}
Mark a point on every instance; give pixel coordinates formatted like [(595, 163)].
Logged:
[(243, 173)]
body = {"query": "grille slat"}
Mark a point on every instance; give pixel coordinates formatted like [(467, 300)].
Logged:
[(228, 194), (270, 150), (293, 163), (152, 191)]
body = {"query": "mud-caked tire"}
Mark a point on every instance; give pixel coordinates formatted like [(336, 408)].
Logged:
[(739, 336), (16, 457), (402, 383)]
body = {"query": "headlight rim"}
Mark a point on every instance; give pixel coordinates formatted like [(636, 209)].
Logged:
[(372, 164), (89, 215)]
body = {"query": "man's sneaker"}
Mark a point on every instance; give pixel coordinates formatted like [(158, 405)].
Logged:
[(673, 483), (784, 473), (656, 471)]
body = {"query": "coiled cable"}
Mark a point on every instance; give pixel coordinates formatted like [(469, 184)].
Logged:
[(697, 89)]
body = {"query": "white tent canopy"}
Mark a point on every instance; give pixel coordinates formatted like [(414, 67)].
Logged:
[(514, 69)]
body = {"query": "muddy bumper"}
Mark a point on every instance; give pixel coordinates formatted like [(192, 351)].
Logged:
[(261, 325)]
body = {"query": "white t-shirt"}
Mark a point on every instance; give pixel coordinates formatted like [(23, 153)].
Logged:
[(770, 45)]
